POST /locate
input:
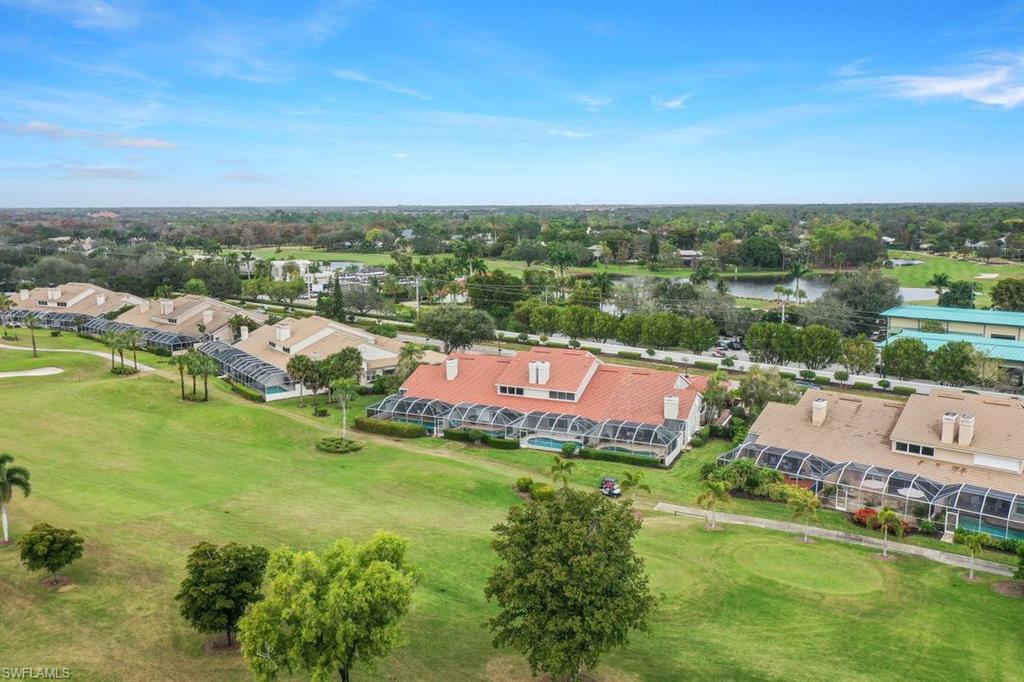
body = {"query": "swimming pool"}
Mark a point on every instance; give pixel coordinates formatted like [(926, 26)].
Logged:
[(547, 443), (967, 523)]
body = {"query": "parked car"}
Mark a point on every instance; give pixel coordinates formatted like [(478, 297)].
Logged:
[(722, 343), (718, 352), (610, 487), (805, 383), (735, 344)]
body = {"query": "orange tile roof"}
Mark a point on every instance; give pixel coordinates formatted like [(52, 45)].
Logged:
[(568, 368), (615, 391)]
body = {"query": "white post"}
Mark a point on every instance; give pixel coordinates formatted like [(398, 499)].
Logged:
[(3, 512)]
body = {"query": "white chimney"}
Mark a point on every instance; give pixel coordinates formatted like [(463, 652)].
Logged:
[(949, 427), (532, 367), (53, 294), (23, 294), (145, 307), (243, 332), (166, 307), (671, 407), (966, 430), (101, 299), (543, 372), (207, 316), (819, 410), (284, 332), (451, 368)]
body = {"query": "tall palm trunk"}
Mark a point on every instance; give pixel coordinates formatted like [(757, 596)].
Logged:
[(121, 353), (32, 331), (135, 358), (344, 420), (206, 388), (885, 542), (3, 513), (193, 384), (111, 358), (181, 372), (970, 574)]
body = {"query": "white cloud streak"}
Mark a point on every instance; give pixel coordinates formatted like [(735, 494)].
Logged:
[(57, 133), (360, 77), (570, 134), (593, 102), (677, 102), (997, 81)]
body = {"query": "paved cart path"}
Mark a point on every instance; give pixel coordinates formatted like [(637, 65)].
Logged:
[(933, 554), (97, 353)]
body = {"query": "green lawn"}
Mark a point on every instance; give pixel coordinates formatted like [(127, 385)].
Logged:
[(144, 477), (957, 269)]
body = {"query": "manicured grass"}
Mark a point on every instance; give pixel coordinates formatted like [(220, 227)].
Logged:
[(143, 477), (957, 269)]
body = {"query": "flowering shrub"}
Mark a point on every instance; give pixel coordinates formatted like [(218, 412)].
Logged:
[(865, 516)]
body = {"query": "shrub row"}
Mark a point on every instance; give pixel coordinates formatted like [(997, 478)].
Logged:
[(246, 392), (787, 375), (705, 364), (338, 445), (593, 349), (390, 428), (473, 435), (904, 390), (622, 458), (629, 354), (822, 381), (556, 344), (863, 385), (1000, 544)]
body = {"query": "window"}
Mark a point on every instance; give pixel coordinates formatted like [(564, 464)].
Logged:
[(510, 390), (62, 304), (927, 451), (915, 449), (902, 447), (1007, 337), (561, 395)]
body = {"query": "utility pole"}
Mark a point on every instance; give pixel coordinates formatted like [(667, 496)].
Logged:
[(417, 298)]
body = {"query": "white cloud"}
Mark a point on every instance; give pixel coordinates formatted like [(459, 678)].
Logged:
[(360, 77), (56, 133), (593, 102), (402, 156), (88, 13), (570, 134), (851, 69), (677, 102), (997, 81), (112, 172)]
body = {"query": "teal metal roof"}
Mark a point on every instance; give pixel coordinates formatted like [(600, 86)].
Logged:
[(925, 312), (997, 349)]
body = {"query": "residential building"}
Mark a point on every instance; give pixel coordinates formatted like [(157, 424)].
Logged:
[(260, 357), (57, 307), (199, 317), (996, 333), (952, 458), (546, 397)]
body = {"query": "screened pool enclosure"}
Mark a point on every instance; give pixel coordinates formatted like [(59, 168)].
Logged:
[(97, 326), (848, 486), (248, 369), (538, 429)]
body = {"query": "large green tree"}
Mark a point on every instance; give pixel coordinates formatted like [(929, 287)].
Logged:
[(569, 585), (47, 548), (1008, 294), (699, 334), (859, 354), (866, 293), (457, 327), (820, 346), (774, 343), (954, 364), (905, 358), (959, 295), (332, 304), (220, 583), (759, 386), (323, 614)]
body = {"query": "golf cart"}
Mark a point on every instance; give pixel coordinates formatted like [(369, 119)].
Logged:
[(610, 487)]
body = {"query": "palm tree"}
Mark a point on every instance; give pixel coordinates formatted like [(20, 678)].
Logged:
[(193, 367), (6, 305), (248, 258), (974, 543), (298, 368), (344, 391), (32, 322), (887, 520), (134, 339), (181, 362), (262, 269), (805, 506), (633, 481), (409, 358), (941, 281), (206, 366), (110, 339), (715, 493), (11, 477), (560, 471), (560, 257), (798, 271)]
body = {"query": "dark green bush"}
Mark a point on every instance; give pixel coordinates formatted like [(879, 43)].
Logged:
[(503, 443), (556, 344), (542, 491), (822, 381), (605, 456), (705, 364), (319, 411), (904, 390), (593, 349), (460, 435), (390, 428), (787, 375), (989, 541), (863, 385), (338, 445), (721, 431), (884, 383), (124, 371), (524, 484), (808, 374), (841, 375), (246, 392), (629, 354)]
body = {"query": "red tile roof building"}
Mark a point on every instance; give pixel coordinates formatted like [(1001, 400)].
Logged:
[(548, 396)]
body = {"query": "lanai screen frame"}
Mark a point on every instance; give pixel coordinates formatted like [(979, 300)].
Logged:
[(555, 423), (428, 411), (247, 368), (496, 417)]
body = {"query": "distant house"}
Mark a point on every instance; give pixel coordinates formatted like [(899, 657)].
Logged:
[(546, 397), (260, 358), (57, 307), (690, 258), (888, 241), (955, 459)]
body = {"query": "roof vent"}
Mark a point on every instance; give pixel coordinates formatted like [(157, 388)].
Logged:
[(283, 331)]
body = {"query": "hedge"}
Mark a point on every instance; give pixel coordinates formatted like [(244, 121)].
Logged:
[(246, 392), (463, 436), (904, 390), (822, 381), (503, 443), (338, 445), (555, 344), (390, 428), (990, 541), (787, 375), (606, 456), (808, 374), (863, 385), (629, 354), (841, 375), (884, 383), (593, 349), (705, 364)]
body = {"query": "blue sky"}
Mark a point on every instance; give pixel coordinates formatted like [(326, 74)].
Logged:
[(347, 103)]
